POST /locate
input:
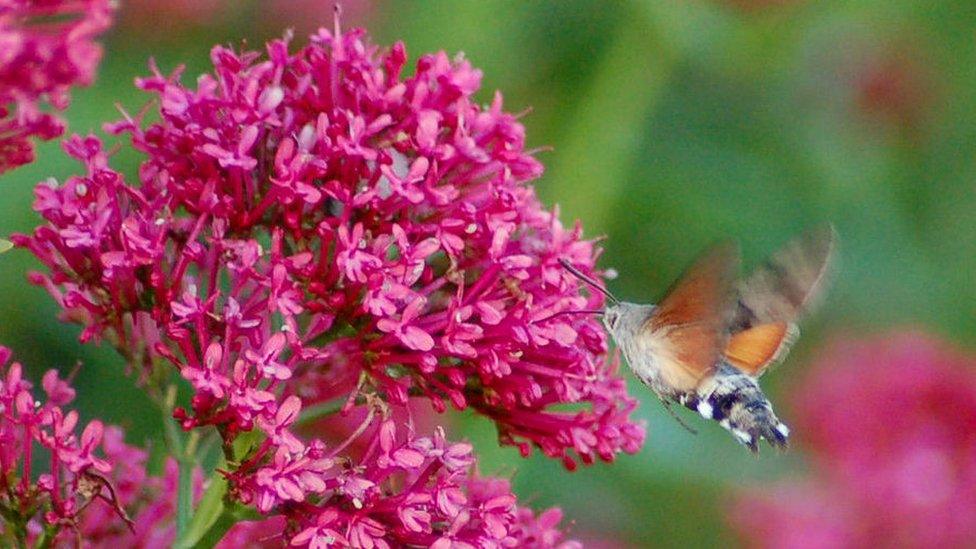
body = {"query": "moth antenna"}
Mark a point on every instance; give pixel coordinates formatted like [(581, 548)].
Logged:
[(592, 283), (677, 418), (572, 312)]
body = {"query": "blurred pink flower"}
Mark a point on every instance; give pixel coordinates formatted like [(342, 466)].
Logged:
[(46, 48), (150, 501), (894, 86), (890, 423), (254, 534)]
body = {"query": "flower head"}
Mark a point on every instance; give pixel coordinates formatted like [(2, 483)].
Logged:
[(92, 484), (417, 490), (317, 227), (319, 212), (46, 47)]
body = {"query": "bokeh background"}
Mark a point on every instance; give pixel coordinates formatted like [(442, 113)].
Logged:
[(664, 125)]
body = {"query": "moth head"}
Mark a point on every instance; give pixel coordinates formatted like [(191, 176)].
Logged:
[(623, 320)]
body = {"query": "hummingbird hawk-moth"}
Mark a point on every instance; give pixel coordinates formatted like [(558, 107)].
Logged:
[(705, 344)]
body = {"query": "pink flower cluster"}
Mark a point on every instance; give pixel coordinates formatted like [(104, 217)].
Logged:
[(407, 491), (46, 47), (314, 216), (891, 423), (90, 484), (315, 227)]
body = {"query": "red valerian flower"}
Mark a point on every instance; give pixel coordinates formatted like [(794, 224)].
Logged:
[(46, 48), (418, 491), (314, 226), (317, 211), (890, 423), (75, 476), (94, 487)]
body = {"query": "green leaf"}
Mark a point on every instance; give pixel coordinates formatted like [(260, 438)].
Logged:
[(225, 521), (246, 442), (184, 501), (5, 245), (208, 513)]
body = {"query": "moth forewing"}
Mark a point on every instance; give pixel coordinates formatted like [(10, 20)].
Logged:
[(687, 330)]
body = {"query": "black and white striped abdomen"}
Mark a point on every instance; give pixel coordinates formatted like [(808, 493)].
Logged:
[(736, 402)]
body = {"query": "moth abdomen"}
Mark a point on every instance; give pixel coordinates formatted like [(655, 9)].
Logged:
[(737, 403)]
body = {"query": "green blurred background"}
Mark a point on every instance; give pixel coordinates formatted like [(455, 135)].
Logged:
[(666, 125)]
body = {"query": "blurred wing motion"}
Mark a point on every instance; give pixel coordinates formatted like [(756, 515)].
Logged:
[(688, 328), (771, 300)]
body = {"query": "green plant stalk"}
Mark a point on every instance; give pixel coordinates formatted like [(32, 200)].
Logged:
[(16, 525), (214, 516), (184, 460), (231, 514), (46, 539), (184, 501), (205, 526)]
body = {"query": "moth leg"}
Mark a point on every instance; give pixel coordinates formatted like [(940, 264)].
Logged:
[(667, 406)]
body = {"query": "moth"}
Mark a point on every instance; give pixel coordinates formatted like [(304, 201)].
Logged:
[(707, 342)]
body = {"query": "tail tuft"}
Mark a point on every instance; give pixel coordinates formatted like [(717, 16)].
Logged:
[(736, 402), (754, 420)]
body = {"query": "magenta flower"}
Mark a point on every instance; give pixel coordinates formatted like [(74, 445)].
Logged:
[(46, 47), (451, 297), (419, 491), (95, 487), (894, 446), (412, 336), (314, 226)]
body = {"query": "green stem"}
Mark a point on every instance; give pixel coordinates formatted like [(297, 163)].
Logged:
[(214, 516), (174, 440), (184, 459), (46, 539), (205, 526), (184, 500), (13, 523), (20, 535)]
